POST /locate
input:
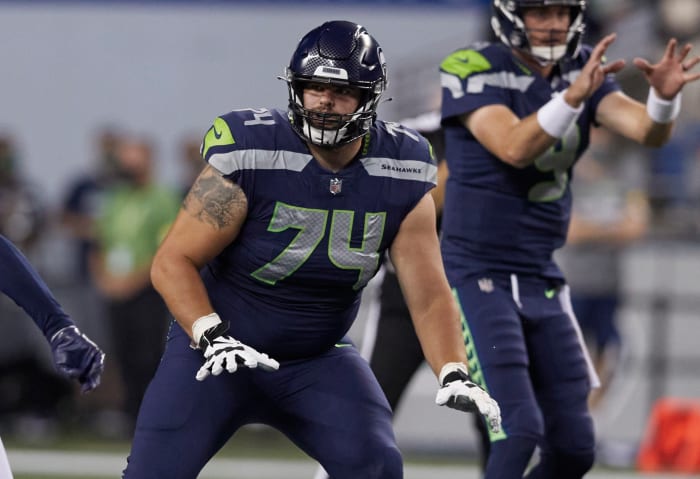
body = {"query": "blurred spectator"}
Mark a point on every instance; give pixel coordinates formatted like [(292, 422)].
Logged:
[(192, 162), (610, 212), (84, 198), (80, 209), (21, 218), (136, 214)]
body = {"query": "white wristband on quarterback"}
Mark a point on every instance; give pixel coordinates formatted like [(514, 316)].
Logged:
[(203, 324), (556, 116), (663, 111)]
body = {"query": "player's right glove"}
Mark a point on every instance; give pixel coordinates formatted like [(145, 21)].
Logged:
[(459, 392), (76, 356), (223, 352)]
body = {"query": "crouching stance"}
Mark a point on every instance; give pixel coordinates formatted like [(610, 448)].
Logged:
[(264, 266)]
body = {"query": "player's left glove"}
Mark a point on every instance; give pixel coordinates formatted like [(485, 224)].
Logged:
[(222, 351), (76, 356), (459, 392)]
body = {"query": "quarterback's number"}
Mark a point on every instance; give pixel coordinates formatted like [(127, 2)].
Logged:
[(558, 159), (311, 225)]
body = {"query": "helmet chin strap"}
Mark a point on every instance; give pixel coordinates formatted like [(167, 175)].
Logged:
[(322, 137), (548, 55)]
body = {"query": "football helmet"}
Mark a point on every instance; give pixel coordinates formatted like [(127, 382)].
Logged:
[(339, 53), (508, 25)]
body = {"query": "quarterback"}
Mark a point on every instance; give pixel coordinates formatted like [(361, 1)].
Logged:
[(517, 115)]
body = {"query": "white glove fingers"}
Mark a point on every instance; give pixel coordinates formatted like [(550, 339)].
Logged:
[(465, 396), (229, 354), (202, 373), (267, 364)]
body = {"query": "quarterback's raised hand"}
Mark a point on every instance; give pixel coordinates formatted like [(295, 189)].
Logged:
[(76, 356), (459, 392), (672, 72), (593, 73), (223, 352)]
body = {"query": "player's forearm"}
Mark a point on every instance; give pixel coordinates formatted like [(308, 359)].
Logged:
[(518, 145), (440, 336), (22, 283), (179, 283)]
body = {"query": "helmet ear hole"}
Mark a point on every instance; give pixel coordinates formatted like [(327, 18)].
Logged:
[(341, 53)]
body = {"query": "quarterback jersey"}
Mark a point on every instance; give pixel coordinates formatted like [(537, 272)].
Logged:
[(508, 219), (290, 283)]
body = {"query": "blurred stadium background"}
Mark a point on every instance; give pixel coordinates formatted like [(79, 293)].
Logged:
[(165, 69)]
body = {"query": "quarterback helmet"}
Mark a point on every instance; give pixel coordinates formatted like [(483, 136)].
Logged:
[(339, 53), (508, 25)]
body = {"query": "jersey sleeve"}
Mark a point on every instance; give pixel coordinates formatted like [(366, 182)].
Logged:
[(20, 281), (472, 78), (219, 147)]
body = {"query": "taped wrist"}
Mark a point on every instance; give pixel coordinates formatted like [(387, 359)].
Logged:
[(663, 111), (556, 116), (453, 372), (206, 329)]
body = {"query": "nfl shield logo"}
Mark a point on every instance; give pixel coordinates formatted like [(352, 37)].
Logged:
[(336, 186)]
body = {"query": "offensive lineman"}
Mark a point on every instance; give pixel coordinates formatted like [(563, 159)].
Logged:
[(268, 256)]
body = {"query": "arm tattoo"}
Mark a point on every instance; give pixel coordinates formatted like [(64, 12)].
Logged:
[(215, 200)]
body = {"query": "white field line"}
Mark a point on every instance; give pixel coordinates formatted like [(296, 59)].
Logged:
[(110, 465)]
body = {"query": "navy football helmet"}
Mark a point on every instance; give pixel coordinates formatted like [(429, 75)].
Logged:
[(508, 25), (339, 53)]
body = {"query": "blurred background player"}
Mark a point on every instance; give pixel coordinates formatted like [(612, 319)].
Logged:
[(517, 115), (136, 214), (74, 354), (269, 254)]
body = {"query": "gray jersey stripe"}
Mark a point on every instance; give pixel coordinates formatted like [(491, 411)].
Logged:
[(227, 163), (401, 169), (477, 82), (507, 80)]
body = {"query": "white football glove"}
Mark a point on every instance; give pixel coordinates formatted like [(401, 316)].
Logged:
[(227, 352), (459, 392), (223, 352)]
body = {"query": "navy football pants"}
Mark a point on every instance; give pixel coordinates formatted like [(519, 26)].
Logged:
[(330, 406), (525, 348)]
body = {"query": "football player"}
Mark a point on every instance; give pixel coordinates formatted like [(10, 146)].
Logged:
[(264, 266), (74, 354), (517, 115)]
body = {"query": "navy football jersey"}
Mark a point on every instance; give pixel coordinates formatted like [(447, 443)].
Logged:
[(498, 217), (290, 283)]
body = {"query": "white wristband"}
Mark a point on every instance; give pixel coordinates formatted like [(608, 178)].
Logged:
[(452, 367), (663, 111), (556, 116), (201, 325)]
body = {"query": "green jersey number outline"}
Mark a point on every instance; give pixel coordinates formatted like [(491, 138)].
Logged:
[(311, 225), (558, 159)]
